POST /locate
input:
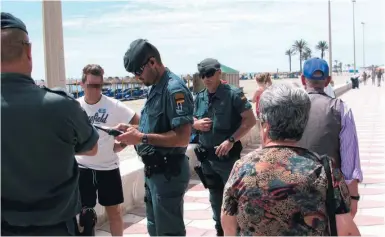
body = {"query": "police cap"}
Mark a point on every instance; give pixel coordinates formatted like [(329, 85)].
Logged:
[(139, 52), (208, 64), (9, 21)]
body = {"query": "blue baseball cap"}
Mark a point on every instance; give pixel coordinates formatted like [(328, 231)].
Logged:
[(313, 65)]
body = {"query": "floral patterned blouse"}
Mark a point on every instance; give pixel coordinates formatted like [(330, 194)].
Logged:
[(282, 191)]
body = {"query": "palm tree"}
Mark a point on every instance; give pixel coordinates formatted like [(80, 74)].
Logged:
[(306, 53), (289, 52), (322, 46), (299, 46)]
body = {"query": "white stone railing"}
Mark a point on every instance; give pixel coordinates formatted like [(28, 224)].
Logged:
[(132, 169)]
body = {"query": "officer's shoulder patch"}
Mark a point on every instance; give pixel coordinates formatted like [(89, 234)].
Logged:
[(58, 90), (179, 97), (239, 92)]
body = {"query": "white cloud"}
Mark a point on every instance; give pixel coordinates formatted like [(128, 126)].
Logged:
[(246, 35)]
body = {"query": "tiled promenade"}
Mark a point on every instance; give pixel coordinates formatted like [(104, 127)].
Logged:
[(368, 104)]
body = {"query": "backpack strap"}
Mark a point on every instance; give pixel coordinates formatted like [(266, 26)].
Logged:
[(330, 199)]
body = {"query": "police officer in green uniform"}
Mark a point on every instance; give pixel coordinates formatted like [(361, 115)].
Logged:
[(41, 131), (223, 116), (161, 139)]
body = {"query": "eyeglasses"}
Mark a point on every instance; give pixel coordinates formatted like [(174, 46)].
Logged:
[(94, 86), (139, 71), (208, 73)]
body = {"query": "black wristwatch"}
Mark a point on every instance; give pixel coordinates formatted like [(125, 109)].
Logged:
[(231, 139), (357, 198), (145, 139)]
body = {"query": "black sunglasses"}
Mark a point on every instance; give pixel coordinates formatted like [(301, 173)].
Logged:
[(208, 73), (139, 71), (95, 86)]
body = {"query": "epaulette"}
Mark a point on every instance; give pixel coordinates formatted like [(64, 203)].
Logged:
[(58, 90)]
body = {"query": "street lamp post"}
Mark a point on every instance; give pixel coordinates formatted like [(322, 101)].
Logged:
[(354, 37), (53, 44), (330, 40), (363, 43)]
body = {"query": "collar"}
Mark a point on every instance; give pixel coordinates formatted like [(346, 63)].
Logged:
[(315, 91), (11, 78), (219, 92), (164, 78)]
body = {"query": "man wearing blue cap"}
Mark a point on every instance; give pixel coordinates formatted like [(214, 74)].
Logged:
[(331, 128), (162, 138), (41, 130)]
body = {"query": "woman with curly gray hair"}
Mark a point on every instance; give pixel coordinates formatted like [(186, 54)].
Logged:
[(283, 189)]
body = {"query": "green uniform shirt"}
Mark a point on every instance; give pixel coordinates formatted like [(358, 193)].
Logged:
[(41, 130), (225, 110), (169, 105)]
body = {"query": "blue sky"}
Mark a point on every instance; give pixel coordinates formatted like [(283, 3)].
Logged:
[(247, 35)]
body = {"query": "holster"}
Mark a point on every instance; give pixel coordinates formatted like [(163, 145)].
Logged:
[(209, 181), (201, 153), (169, 165)]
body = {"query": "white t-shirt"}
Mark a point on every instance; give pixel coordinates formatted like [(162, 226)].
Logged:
[(107, 112)]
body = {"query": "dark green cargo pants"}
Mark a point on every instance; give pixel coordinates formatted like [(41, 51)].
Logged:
[(221, 168), (164, 202)]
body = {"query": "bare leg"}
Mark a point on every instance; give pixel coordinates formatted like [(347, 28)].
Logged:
[(116, 220)]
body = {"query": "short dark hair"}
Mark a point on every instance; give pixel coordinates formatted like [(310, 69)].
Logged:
[(12, 44), (93, 69), (153, 52)]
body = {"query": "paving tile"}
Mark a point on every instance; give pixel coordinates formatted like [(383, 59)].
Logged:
[(374, 176), (374, 230), (368, 220), (136, 235), (210, 233), (372, 163), (378, 197), (136, 229), (131, 218), (102, 233), (373, 181), (198, 194), (370, 203), (139, 211), (193, 231), (379, 212), (203, 224), (192, 206), (202, 200), (198, 215), (371, 171), (198, 187), (371, 191)]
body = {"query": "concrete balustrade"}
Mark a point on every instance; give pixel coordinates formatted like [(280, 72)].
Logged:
[(133, 177)]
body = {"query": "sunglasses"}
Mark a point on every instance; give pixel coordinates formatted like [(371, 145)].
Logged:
[(139, 71), (208, 74), (94, 86)]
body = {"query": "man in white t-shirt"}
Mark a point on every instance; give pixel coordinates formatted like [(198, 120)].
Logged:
[(99, 175)]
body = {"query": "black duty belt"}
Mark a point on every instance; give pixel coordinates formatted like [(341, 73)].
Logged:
[(169, 165), (204, 153)]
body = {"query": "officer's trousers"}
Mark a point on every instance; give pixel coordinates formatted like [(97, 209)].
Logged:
[(164, 202), (221, 167)]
